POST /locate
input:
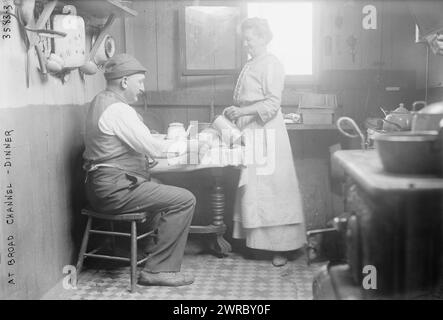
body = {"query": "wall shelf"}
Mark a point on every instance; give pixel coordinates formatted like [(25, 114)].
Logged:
[(102, 8)]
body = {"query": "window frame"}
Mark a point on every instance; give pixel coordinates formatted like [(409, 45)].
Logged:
[(311, 79), (239, 56)]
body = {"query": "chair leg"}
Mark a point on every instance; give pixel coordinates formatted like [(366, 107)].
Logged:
[(133, 255), (84, 246)]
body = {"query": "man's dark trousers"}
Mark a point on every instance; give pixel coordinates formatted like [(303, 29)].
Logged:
[(114, 191)]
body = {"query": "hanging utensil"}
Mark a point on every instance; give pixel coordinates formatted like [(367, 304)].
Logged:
[(101, 36), (26, 41), (26, 8), (89, 67), (41, 32), (42, 62), (44, 16), (354, 126), (71, 48), (105, 51), (31, 40)]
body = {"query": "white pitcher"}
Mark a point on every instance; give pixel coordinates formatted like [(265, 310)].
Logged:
[(227, 130)]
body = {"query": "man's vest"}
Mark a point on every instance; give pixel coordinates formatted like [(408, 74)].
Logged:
[(108, 150)]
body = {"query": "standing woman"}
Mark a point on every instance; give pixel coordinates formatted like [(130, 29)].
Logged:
[(268, 207)]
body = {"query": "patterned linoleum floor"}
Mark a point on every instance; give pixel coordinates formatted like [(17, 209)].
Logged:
[(229, 278)]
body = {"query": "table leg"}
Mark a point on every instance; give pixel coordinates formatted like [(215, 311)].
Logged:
[(220, 246)]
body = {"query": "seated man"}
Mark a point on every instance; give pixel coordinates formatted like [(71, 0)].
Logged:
[(118, 145)]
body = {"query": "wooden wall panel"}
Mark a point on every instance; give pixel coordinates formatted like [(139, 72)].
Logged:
[(199, 113), (144, 38), (391, 46), (42, 206), (48, 121), (26, 230), (47, 194), (3, 244), (156, 45), (167, 45), (176, 114), (8, 228)]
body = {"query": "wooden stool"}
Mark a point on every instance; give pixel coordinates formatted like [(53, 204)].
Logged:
[(133, 218)]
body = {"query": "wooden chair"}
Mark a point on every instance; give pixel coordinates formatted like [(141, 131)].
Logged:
[(133, 219)]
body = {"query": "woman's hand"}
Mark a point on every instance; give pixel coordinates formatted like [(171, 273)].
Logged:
[(233, 112)]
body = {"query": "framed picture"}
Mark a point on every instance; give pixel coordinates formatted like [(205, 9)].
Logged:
[(210, 43)]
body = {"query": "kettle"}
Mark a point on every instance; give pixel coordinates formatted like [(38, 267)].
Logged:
[(397, 120), (176, 131)]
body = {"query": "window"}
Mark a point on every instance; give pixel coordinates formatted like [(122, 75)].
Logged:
[(209, 43), (292, 27)]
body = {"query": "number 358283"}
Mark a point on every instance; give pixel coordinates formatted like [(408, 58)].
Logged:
[(6, 23)]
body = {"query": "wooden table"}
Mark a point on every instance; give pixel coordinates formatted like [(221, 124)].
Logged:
[(219, 245)]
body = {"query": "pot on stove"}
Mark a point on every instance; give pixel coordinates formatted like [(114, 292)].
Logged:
[(428, 118)]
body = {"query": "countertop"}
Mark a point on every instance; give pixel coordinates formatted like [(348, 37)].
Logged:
[(365, 167), (301, 126)]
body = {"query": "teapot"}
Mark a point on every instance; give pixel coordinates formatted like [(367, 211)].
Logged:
[(176, 131), (397, 120)]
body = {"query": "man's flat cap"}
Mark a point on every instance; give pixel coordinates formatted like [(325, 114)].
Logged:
[(122, 65)]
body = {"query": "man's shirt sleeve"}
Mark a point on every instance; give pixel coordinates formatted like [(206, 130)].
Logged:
[(121, 120)]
